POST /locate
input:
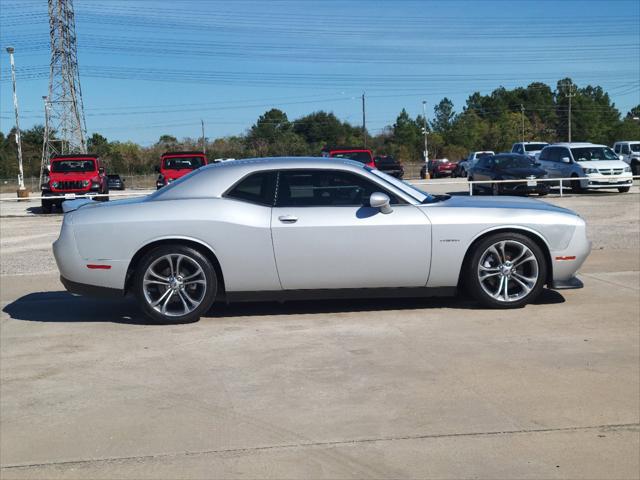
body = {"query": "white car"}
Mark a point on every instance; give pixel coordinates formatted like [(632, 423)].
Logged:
[(629, 152), (302, 228), (531, 149), (592, 166)]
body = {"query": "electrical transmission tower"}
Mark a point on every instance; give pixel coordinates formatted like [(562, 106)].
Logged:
[(64, 111)]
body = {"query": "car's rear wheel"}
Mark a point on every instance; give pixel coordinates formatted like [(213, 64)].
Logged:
[(175, 284), (635, 168), (624, 189), (506, 270), (47, 207)]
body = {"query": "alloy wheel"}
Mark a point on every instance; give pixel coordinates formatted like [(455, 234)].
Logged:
[(508, 271), (174, 285)]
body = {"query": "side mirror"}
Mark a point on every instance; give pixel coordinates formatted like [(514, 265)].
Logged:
[(566, 160), (156, 169), (381, 201), (101, 170), (621, 157)]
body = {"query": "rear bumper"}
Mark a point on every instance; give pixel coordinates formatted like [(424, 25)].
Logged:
[(87, 290)]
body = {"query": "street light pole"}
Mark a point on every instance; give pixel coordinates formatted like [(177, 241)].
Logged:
[(21, 189)]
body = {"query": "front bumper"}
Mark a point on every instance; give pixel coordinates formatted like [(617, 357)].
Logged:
[(566, 263), (601, 181), (523, 188)]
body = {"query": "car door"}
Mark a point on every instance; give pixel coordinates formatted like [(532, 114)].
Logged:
[(326, 236)]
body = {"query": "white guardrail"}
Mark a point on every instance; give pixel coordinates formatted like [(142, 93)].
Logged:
[(562, 184)]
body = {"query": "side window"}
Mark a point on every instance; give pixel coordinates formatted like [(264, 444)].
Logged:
[(616, 148), (256, 188), (554, 154), (519, 149), (483, 162), (625, 149), (563, 152), (544, 155), (316, 188)]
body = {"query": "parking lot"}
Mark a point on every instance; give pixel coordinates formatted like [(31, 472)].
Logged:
[(336, 389)]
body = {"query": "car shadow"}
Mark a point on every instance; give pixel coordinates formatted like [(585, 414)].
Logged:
[(62, 307)]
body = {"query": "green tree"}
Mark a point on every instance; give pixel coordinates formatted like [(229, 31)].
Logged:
[(444, 116)]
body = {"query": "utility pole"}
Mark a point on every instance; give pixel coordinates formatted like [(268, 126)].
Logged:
[(522, 115), (65, 107), (21, 190), (364, 122), (424, 130), (570, 95), (45, 154), (204, 143)]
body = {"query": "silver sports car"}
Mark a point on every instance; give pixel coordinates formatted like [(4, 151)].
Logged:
[(279, 228)]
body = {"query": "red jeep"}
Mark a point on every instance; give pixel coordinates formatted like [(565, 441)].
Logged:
[(361, 155), (174, 165), (71, 175)]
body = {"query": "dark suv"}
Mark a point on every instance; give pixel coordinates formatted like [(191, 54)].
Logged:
[(389, 165)]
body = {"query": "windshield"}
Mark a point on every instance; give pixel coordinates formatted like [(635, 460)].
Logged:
[(362, 157), (534, 147), (80, 165), (385, 161), (180, 163), (588, 154), (512, 162), (635, 147), (407, 188)]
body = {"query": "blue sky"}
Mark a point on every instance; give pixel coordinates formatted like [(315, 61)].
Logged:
[(150, 67)]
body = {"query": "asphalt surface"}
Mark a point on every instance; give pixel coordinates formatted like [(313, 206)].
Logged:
[(433, 388)]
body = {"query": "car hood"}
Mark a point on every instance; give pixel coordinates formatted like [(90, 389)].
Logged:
[(521, 203), (522, 172), (603, 164)]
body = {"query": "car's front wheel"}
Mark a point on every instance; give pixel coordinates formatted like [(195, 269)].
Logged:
[(175, 284), (506, 270)]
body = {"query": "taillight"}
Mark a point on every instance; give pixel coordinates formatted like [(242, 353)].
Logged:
[(371, 164)]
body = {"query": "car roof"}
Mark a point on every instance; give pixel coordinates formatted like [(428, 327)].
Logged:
[(577, 144), (216, 178), (528, 143), (628, 141)]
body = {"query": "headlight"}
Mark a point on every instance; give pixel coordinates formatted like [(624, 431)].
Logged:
[(590, 170), (85, 183), (627, 169), (55, 184)]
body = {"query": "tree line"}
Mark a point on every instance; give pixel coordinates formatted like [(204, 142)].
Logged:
[(486, 122)]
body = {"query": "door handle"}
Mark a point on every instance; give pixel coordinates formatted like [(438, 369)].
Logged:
[(288, 218)]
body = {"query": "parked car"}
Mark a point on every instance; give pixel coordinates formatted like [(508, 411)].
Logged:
[(71, 175), (508, 166), (115, 181), (531, 149), (630, 153), (361, 155), (441, 168), (175, 165), (598, 163), (465, 166), (283, 228), (389, 165)]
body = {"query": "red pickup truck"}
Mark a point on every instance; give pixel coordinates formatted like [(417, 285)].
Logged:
[(174, 165), (71, 175)]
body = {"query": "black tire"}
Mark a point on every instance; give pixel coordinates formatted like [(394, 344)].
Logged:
[(624, 189), (543, 194), (576, 186), (208, 293), (475, 190), (495, 189), (472, 268), (47, 207), (635, 168)]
